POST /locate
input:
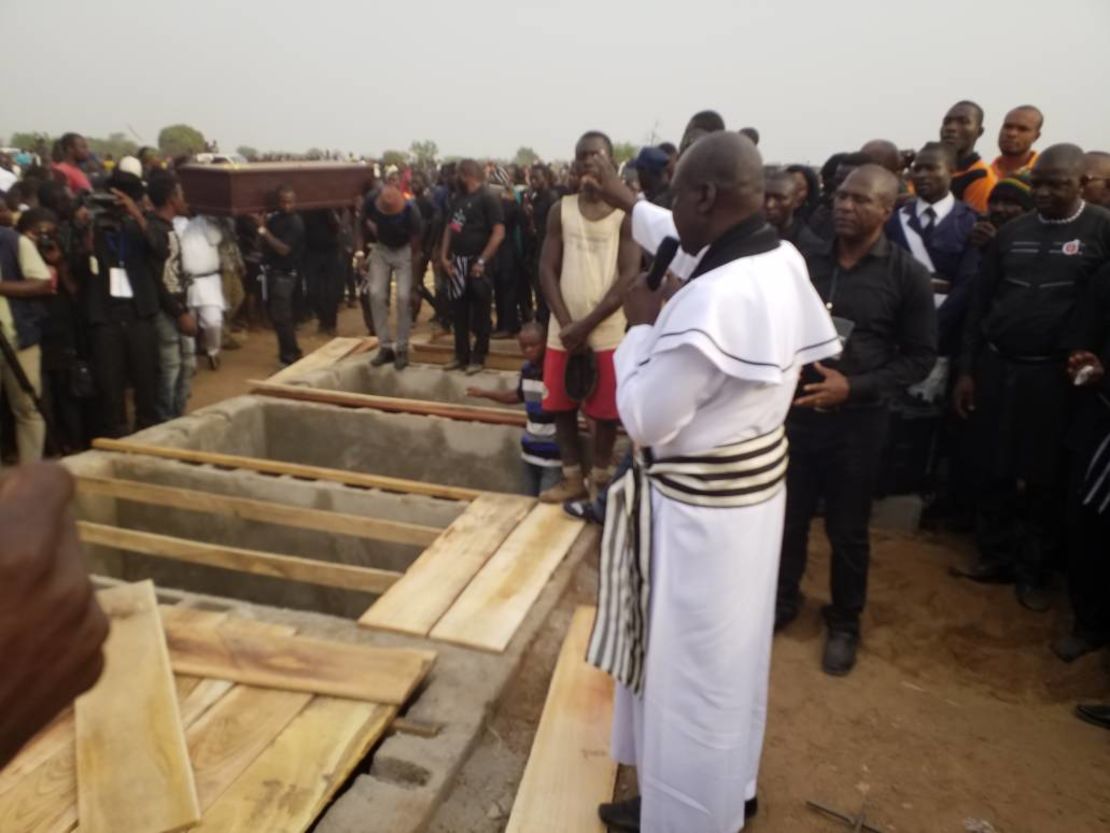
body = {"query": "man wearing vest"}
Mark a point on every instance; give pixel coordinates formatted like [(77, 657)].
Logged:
[(936, 228), (586, 252), (973, 179)]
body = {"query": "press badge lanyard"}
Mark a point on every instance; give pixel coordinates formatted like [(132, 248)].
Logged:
[(119, 284)]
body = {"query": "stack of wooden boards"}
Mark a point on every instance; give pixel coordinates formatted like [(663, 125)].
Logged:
[(202, 720), (477, 582)]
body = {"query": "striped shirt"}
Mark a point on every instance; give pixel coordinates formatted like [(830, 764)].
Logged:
[(538, 445)]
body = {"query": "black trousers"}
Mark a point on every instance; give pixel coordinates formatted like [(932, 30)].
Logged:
[(1019, 526), (834, 456), (125, 349), (325, 285), (506, 291), (471, 313), (1021, 411), (282, 288)]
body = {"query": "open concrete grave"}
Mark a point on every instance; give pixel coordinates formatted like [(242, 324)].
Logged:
[(314, 515)]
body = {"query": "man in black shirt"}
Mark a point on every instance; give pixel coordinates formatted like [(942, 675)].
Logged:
[(323, 277), (121, 302), (536, 207), (475, 229), (396, 227), (881, 301), (1013, 385), (282, 238)]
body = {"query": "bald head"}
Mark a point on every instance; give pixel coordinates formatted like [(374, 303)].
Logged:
[(878, 180), (1065, 158), (885, 153), (717, 184), (728, 161), (1057, 181)]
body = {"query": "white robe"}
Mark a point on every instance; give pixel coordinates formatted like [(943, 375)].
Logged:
[(719, 366)]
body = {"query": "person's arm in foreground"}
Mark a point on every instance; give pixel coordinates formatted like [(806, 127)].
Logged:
[(51, 627)]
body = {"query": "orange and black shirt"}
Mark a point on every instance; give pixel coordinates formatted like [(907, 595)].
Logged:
[(973, 181)]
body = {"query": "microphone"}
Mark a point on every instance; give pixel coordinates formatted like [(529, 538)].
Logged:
[(664, 256)]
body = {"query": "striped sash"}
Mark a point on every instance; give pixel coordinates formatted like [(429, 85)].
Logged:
[(741, 474), (1096, 480)]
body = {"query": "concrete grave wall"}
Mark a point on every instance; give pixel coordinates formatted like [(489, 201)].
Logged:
[(417, 381)]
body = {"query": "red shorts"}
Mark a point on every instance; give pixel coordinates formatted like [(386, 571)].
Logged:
[(601, 404)]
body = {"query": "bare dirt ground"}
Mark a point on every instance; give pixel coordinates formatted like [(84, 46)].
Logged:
[(956, 712)]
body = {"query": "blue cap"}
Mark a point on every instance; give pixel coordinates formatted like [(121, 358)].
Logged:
[(650, 159)]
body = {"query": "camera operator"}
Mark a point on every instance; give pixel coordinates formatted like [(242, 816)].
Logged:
[(121, 306), (21, 320)]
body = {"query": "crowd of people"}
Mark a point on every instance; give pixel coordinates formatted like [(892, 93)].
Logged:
[(929, 302)]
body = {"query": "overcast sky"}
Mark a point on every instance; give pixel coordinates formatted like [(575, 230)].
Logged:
[(485, 77)]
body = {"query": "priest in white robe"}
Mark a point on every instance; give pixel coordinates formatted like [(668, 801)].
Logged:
[(691, 546)]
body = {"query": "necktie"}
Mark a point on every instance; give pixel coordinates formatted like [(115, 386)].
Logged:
[(928, 223)]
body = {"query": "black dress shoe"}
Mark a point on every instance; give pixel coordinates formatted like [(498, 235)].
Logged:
[(625, 815), (985, 573), (621, 815), (1072, 646), (840, 653), (1033, 597), (1097, 714)]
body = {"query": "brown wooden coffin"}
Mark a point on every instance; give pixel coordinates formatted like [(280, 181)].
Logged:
[(252, 187)]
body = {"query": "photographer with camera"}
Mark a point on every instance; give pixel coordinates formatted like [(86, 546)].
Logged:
[(21, 320), (121, 306)]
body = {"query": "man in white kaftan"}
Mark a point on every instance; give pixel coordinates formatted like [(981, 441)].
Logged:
[(716, 370)]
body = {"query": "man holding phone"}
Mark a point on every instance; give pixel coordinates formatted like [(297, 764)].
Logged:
[(881, 301)]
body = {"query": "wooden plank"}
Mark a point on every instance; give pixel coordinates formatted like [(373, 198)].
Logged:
[(234, 732), (433, 582), (235, 461), (280, 514), (133, 770), (43, 799), (490, 610), (256, 562), (569, 771), (288, 785), (46, 744), (335, 350), (339, 669), (422, 407)]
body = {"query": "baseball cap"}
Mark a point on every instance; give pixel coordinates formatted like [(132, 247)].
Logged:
[(650, 159)]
